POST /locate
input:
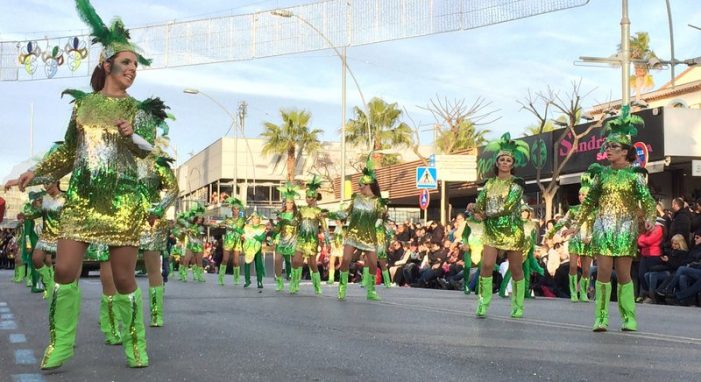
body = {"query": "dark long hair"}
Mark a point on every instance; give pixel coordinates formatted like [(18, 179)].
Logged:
[(97, 81), (632, 154), (375, 188)]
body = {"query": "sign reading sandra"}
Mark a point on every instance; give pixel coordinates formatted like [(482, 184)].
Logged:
[(426, 178)]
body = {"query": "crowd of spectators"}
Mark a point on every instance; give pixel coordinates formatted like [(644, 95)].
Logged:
[(8, 248)]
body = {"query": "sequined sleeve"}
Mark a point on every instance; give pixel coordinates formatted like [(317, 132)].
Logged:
[(324, 224), (169, 185), (145, 128), (60, 162), (30, 211), (647, 202), (566, 222), (481, 202)]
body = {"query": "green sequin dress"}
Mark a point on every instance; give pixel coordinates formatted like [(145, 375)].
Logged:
[(286, 234), (337, 241), (28, 237), (234, 229), (103, 201), (579, 244), (311, 221), (362, 215), (160, 189), (615, 199), (195, 238), (254, 236), (500, 202)]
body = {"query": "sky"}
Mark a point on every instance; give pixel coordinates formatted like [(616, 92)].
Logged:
[(499, 63)]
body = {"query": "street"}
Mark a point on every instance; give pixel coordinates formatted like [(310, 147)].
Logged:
[(215, 333)]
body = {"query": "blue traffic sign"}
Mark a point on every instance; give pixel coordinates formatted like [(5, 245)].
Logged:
[(424, 199), (426, 178)]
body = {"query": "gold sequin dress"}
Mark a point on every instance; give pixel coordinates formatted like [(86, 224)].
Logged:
[(103, 202), (160, 188), (362, 216), (500, 203), (311, 219)]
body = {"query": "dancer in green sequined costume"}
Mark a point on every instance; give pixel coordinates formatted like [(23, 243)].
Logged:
[(617, 197), (160, 188), (103, 203), (179, 250), (336, 250), (232, 240), (384, 236), (498, 206), (285, 236), (579, 246), (362, 215), (254, 234), (50, 208), (311, 222), (28, 239), (194, 228)]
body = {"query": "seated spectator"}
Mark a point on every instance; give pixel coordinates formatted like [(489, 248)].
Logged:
[(432, 267), (686, 282), (410, 257), (452, 268), (672, 259), (411, 271), (650, 245)]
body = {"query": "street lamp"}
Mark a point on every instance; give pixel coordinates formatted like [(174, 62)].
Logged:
[(286, 13), (234, 120)]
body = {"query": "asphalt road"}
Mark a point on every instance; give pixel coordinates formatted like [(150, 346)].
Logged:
[(215, 333)]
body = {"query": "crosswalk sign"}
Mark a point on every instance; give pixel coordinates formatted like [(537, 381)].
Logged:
[(426, 178)]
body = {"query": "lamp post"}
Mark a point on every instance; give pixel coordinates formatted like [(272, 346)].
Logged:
[(235, 120), (286, 13)]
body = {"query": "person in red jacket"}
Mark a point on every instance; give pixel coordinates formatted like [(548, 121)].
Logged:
[(650, 245)]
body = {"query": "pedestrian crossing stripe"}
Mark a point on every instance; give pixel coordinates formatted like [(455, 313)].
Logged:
[(426, 178)]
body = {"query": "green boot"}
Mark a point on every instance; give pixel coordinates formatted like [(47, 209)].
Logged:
[(28, 278), (247, 275), (583, 288), (342, 285), (108, 321), (316, 282), (237, 276), (517, 296), (36, 281), (626, 306), (47, 280), (466, 273), (485, 296), (288, 266), (221, 274), (19, 275), (332, 277), (279, 283), (386, 279), (372, 294), (573, 288), (182, 271), (64, 311), (365, 278), (130, 311), (601, 310), (295, 277), (260, 269), (156, 305)]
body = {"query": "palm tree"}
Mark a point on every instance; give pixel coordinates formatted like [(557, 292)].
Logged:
[(640, 50), (291, 138), (463, 136), (384, 130), (535, 129)]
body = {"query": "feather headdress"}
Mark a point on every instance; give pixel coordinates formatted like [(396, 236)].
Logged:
[(313, 187), (517, 149), (289, 192), (369, 175), (622, 128)]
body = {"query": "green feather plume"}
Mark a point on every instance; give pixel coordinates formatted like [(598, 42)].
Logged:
[(313, 187)]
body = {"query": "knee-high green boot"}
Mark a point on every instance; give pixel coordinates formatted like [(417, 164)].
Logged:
[(279, 283), (342, 285), (583, 288), (295, 278), (601, 311), (573, 288), (386, 279), (260, 270), (29, 268), (626, 306), (504, 284), (171, 267), (47, 280), (365, 278), (316, 282), (36, 281), (156, 305), (183, 273), (221, 274), (372, 293), (247, 275), (466, 272), (288, 266), (237, 275), (130, 310), (517, 297), (485, 296), (108, 321), (64, 311), (332, 276)]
